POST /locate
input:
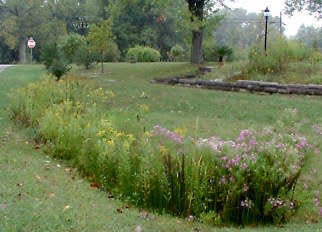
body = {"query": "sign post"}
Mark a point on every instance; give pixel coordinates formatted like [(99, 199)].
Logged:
[(31, 44)]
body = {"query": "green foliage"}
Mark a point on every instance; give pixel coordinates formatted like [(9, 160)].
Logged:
[(313, 6), (146, 22), (59, 185), (100, 39), (54, 60), (234, 181), (83, 56), (143, 54), (70, 44), (209, 50), (176, 53), (212, 52), (278, 56), (223, 51)]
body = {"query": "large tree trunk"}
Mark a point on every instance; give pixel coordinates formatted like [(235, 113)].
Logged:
[(22, 51), (196, 49)]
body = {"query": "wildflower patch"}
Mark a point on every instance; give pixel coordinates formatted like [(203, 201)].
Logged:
[(247, 180)]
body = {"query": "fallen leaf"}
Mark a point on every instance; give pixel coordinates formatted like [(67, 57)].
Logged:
[(20, 196), (67, 207), (138, 229), (19, 184), (68, 170), (146, 216), (38, 178), (126, 206), (37, 146), (190, 218), (95, 185), (51, 195), (3, 206), (119, 210)]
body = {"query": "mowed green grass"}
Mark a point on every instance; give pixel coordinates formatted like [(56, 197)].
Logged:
[(202, 112), (41, 194)]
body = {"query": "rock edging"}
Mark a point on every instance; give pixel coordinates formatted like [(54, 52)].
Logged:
[(244, 85)]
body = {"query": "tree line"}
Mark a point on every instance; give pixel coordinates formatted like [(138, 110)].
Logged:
[(181, 25)]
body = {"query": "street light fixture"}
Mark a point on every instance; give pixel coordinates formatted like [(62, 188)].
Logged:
[(266, 14)]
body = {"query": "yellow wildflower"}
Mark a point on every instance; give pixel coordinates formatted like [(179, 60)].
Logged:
[(144, 107), (181, 131), (163, 149)]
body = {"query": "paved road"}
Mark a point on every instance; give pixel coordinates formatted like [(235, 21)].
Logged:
[(3, 66)]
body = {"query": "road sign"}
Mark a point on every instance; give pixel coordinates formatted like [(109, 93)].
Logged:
[(31, 43)]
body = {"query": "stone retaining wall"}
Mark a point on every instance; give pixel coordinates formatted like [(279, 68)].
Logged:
[(251, 86)]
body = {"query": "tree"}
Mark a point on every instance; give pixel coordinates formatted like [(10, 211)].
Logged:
[(18, 21), (100, 40), (200, 10), (54, 60), (312, 6), (310, 37), (196, 8), (144, 22), (241, 31)]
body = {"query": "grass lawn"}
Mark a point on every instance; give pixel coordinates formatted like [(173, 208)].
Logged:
[(38, 193)]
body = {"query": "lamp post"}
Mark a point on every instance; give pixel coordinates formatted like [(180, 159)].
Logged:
[(266, 14)]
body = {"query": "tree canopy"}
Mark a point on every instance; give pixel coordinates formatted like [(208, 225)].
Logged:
[(159, 24), (312, 6)]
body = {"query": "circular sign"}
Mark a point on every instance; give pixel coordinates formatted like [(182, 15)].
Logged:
[(31, 43)]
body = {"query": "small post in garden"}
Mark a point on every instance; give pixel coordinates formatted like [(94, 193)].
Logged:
[(31, 44)]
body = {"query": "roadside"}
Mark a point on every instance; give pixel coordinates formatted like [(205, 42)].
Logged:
[(4, 66)]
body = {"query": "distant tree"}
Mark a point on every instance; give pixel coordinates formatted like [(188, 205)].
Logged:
[(313, 6), (310, 36), (70, 44), (150, 23), (241, 31), (18, 20), (100, 40)]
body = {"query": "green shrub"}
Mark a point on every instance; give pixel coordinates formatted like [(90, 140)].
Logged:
[(83, 56), (143, 54), (54, 60), (70, 44), (113, 54), (209, 51), (176, 53)]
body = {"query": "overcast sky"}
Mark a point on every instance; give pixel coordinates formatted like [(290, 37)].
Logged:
[(276, 6)]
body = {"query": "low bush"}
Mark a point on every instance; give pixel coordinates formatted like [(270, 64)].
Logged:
[(176, 53), (247, 180), (143, 54), (279, 54)]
